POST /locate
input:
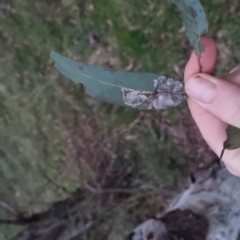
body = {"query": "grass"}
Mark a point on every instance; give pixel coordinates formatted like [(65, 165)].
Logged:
[(53, 135)]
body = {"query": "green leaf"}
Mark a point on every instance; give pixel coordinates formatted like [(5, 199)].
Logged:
[(233, 139), (194, 20), (137, 90)]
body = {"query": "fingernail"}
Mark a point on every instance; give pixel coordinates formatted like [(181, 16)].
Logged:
[(201, 89), (235, 69)]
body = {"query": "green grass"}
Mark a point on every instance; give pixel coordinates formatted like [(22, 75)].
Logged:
[(50, 128)]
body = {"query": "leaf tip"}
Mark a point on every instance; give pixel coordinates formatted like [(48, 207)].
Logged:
[(53, 55)]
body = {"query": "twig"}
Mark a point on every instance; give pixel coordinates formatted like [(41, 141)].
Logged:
[(109, 190), (12, 222), (76, 231), (52, 232), (8, 208), (82, 229)]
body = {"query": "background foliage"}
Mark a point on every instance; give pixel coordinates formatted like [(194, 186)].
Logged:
[(55, 140)]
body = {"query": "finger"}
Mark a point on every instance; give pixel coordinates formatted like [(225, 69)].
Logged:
[(232, 158), (205, 63), (220, 97), (211, 127), (234, 75), (213, 131), (203, 118)]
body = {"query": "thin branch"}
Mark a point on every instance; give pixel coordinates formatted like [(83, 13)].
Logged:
[(8, 208), (82, 229), (12, 222), (109, 190), (52, 232)]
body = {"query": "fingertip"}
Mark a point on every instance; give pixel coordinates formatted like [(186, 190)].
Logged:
[(209, 56), (204, 63), (192, 66)]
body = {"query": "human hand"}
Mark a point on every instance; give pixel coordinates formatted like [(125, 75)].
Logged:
[(214, 102)]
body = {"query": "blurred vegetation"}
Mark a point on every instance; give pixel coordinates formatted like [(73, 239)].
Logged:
[(55, 140)]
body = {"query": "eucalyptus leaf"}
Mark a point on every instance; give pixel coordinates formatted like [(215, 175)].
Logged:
[(134, 89), (194, 20), (233, 139)]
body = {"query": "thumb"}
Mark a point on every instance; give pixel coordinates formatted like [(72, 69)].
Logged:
[(220, 97)]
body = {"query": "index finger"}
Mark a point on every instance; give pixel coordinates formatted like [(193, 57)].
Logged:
[(204, 63)]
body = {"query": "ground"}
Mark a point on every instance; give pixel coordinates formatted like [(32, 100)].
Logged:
[(55, 140)]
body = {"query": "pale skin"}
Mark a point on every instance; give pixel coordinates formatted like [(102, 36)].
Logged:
[(214, 102)]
